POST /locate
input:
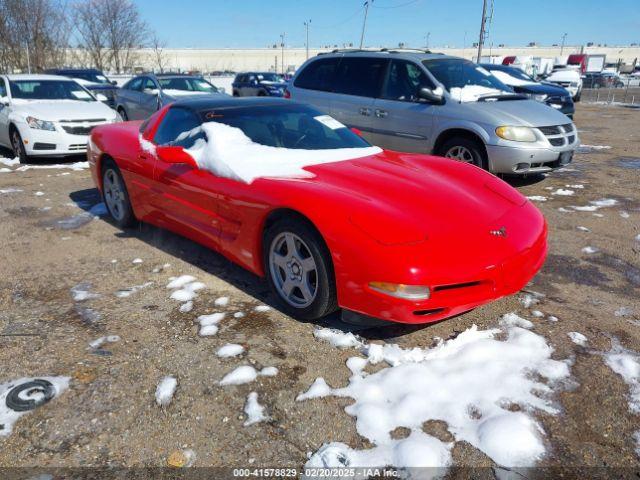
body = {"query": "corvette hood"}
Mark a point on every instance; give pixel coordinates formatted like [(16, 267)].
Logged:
[(57, 110), (408, 198)]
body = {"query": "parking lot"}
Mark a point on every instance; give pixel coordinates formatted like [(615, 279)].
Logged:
[(69, 277)]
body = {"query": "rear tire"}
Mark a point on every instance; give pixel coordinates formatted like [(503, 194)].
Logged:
[(116, 196), (235, 93), (17, 145), (299, 269), (465, 150)]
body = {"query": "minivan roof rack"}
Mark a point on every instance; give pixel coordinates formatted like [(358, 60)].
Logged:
[(377, 50)]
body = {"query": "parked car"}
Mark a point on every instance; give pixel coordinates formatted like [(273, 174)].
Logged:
[(602, 80), (568, 78), (291, 194), (144, 95), (93, 80), (261, 84), (548, 93), (430, 103), (48, 115)]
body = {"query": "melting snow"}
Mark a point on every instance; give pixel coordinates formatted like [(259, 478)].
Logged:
[(137, 261), (209, 324), (578, 338), (513, 320), (626, 363), (337, 338), (127, 292), (262, 308), (469, 382), (10, 162), (98, 342), (246, 374), (10, 190), (222, 301), (563, 192), (9, 416), (230, 350), (165, 390), (591, 148), (81, 292), (589, 250), (254, 411), (180, 281), (537, 198), (583, 229), (186, 307), (229, 153), (184, 290)]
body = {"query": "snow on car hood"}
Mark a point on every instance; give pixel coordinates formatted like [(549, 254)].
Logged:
[(172, 92), (229, 153), (564, 76), (55, 110), (507, 79), (471, 93)]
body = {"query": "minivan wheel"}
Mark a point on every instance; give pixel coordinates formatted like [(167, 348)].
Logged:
[(299, 270), (123, 114), (464, 150)]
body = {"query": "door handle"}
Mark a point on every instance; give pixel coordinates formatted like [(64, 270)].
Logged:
[(365, 111), (381, 113)]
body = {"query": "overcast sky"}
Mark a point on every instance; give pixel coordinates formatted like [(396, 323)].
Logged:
[(258, 23)]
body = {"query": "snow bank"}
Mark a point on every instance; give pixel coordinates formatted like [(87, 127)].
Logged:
[(165, 390), (254, 411), (8, 416), (229, 153), (470, 382)]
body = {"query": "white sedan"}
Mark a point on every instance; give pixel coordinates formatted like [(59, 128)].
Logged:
[(48, 115)]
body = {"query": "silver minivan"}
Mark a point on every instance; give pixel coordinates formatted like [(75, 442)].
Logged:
[(412, 101)]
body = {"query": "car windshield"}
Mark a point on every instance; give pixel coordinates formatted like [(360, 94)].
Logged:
[(291, 126), (513, 72), (465, 80), (49, 90), (269, 77), (93, 77), (188, 84)]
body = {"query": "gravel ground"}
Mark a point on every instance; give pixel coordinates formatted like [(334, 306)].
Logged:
[(108, 416)]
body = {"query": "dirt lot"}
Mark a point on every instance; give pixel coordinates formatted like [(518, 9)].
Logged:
[(108, 415)]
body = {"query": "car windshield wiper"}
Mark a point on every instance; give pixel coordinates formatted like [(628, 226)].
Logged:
[(500, 97)]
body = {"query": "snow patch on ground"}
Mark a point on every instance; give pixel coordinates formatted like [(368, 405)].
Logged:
[(470, 382), (583, 229), (98, 342), (589, 250), (10, 190), (246, 374), (591, 148), (222, 301), (230, 350), (337, 338), (229, 153), (537, 198), (184, 290), (253, 410), (81, 292), (626, 363), (77, 166), (563, 192), (165, 390), (578, 338), (127, 292), (8, 416)]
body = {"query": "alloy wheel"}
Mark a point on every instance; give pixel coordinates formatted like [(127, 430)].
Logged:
[(293, 270), (114, 194), (460, 153)]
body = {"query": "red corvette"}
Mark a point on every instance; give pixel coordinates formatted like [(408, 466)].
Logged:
[(293, 195)]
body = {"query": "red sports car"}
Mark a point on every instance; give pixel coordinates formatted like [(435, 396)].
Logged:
[(293, 195)]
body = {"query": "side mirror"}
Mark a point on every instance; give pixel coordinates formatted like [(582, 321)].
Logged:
[(101, 98), (432, 96), (178, 155), (151, 91)]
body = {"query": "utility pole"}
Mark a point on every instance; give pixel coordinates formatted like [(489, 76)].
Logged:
[(28, 58), (564, 36), (428, 36), (482, 26), (282, 35), (364, 23), (307, 24)]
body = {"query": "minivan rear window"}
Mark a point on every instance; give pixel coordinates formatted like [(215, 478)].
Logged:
[(318, 75), (360, 76)]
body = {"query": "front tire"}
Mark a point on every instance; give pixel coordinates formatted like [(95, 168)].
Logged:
[(123, 114), (465, 150), (116, 196), (17, 145), (299, 269)]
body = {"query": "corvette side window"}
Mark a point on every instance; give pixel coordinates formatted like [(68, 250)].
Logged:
[(179, 128)]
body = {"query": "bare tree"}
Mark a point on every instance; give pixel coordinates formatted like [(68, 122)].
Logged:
[(33, 34), (112, 31), (158, 46)]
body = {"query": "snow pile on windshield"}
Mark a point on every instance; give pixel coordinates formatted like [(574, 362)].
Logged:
[(507, 79), (229, 153), (483, 386), (471, 93), (182, 93)]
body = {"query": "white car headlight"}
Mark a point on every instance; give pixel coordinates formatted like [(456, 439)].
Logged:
[(538, 97), (517, 134), (40, 124)]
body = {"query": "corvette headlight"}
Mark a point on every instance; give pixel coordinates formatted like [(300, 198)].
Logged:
[(40, 124), (517, 134), (408, 292)]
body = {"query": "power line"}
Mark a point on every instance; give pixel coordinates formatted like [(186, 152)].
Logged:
[(349, 18), (411, 2)]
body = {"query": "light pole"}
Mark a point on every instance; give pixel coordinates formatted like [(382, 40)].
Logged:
[(307, 24), (282, 35), (364, 23), (482, 24), (564, 36), (428, 36)]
